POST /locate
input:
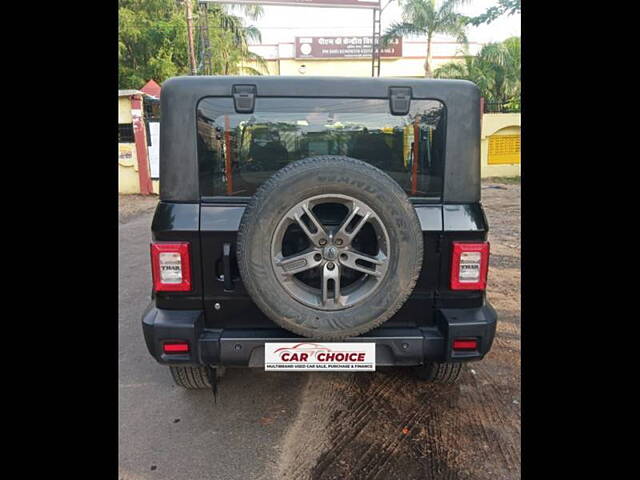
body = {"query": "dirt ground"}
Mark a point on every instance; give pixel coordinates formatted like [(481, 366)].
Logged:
[(131, 205), (388, 425)]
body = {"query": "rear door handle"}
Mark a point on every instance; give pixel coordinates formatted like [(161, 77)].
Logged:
[(226, 266)]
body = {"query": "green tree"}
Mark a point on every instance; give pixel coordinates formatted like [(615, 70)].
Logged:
[(504, 6), (426, 17), (152, 40), (495, 69)]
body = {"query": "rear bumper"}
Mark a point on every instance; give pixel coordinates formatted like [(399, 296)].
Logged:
[(245, 347)]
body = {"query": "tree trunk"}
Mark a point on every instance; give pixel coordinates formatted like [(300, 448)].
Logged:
[(427, 63), (192, 54)]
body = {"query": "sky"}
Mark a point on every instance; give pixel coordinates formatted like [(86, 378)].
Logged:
[(282, 24)]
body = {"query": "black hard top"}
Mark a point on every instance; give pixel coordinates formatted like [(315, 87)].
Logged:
[(180, 95)]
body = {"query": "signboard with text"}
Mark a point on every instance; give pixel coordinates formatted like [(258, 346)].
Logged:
[(309, 3), (343, 47), (320, 356)]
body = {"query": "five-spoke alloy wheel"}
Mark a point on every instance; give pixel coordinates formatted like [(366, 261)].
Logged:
[(333, 252)]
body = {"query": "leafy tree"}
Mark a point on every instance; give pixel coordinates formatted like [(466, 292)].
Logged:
[(152, 40), (504, 6), (495, 69), (425, 17)]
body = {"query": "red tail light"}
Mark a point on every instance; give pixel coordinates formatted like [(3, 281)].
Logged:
[(171, 266), (176, 347), (465, 344), (469, 266)]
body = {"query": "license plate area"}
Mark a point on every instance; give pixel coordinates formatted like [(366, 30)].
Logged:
[(316, 356)]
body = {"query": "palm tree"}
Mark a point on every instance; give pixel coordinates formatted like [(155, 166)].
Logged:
[(228, 41), (495, 69), (504, 6), (424, 17), (232, 47)]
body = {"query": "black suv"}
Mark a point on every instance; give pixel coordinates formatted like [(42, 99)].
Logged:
[(301, 211)]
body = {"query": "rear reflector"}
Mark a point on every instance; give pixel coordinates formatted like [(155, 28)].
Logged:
[(181, 347), (171, 266), (465, 344), (469, 266)]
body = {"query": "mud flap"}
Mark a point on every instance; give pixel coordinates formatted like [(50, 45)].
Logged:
[(213, 381)]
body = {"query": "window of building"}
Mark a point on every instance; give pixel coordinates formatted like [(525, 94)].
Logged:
[(125, 133)]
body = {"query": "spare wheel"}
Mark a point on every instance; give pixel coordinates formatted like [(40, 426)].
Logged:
[(329, 247)]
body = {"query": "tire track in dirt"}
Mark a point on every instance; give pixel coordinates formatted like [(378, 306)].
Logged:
[(500, 421), (390, 425), (328, 393), (343, 438)]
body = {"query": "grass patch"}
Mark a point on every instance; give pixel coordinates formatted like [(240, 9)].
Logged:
[(508, 180)]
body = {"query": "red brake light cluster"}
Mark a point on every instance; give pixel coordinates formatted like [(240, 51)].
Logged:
[(171, 266), (469, 266)]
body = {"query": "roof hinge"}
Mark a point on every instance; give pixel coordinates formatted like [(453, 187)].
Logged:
[(244, 98), (399, 100)]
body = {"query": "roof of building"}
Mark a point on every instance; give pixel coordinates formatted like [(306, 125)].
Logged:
[(152, 88), (128, 93)]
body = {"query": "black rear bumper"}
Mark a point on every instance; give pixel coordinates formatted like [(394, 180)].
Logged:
[(245, 347)]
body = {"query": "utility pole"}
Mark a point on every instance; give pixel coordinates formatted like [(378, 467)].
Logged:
[(376, 40), (192, 53), (207, 66)]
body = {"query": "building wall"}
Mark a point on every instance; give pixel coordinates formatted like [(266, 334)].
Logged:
[(124, 110), (280, 59), (498, 124), (128, 181), (396, 67)]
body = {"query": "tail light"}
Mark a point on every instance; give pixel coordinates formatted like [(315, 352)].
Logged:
[(175, 347), (469, 266), (465, 344), (171, 266)]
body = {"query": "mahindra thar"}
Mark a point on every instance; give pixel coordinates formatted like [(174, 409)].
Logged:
[(318, 223)]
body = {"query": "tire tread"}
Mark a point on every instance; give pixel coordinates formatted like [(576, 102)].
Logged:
[(436, 372), (191, 378)]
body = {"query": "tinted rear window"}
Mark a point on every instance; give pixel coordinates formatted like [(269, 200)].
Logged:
[(238, 152)]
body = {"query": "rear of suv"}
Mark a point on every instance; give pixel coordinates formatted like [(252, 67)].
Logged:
[(299, 211)]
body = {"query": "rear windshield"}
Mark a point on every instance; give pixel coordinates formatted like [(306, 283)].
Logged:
[(238, 152)]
